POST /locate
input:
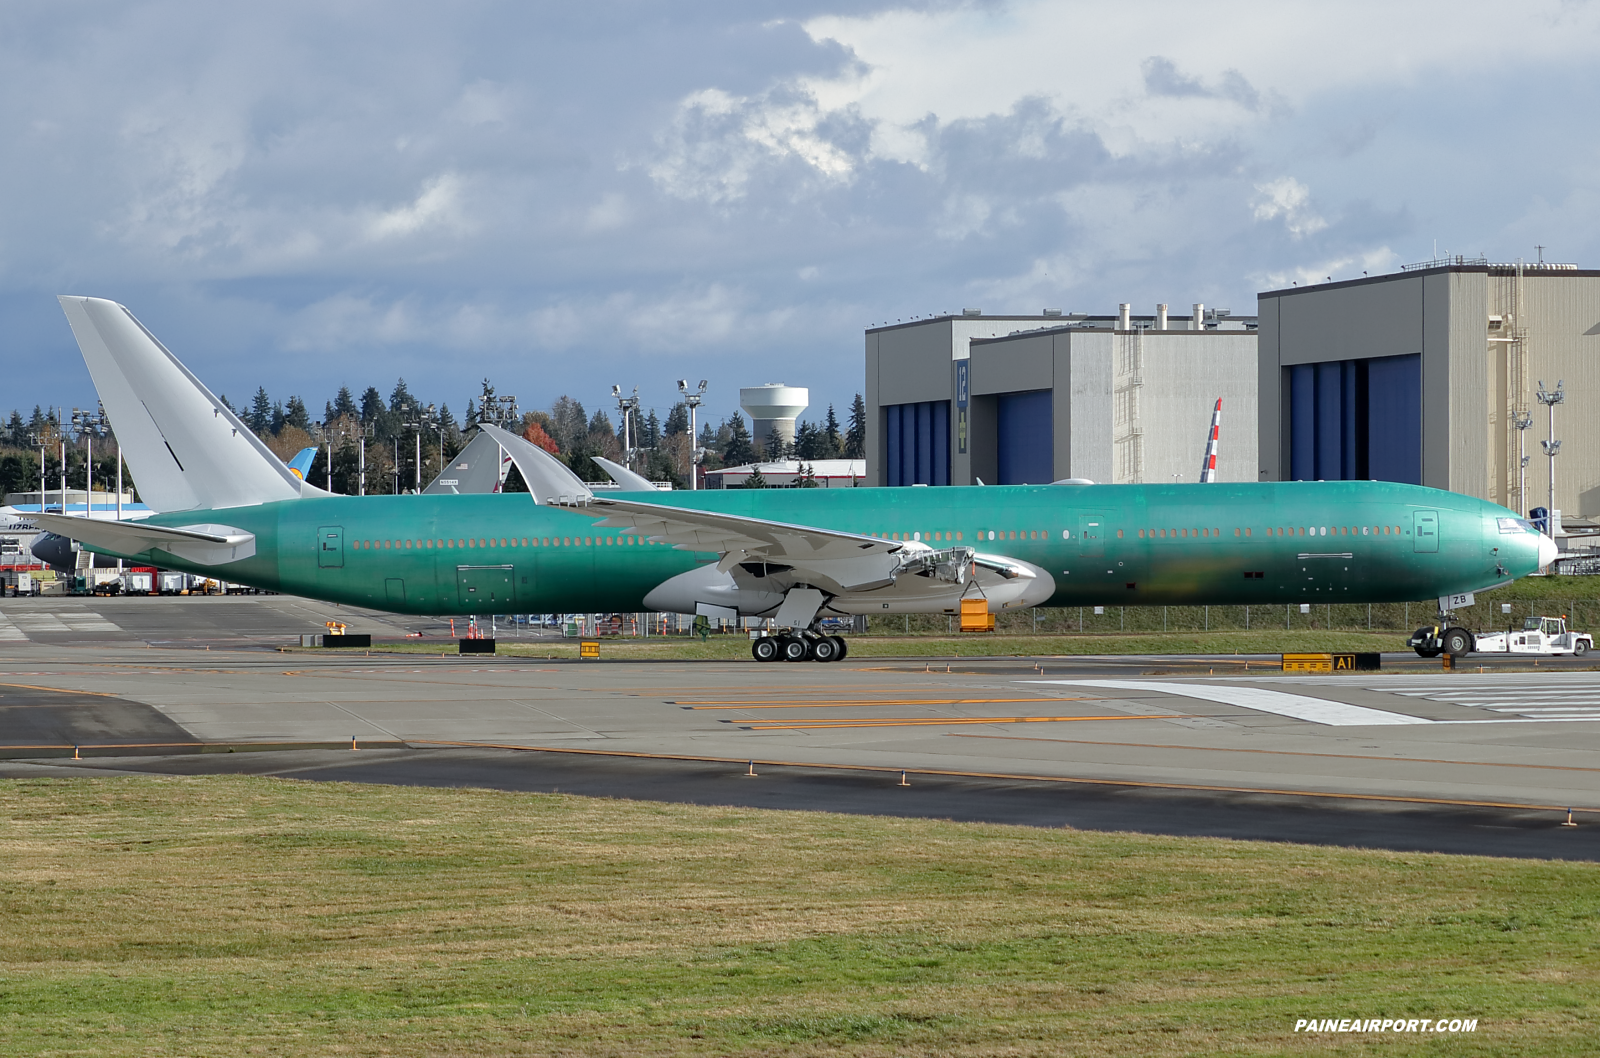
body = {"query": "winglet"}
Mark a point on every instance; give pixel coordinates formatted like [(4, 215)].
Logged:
[(546, 476), (186, 449), (626, 479)]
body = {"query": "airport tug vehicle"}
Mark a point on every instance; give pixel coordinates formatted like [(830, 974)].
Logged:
[(1542, 636)]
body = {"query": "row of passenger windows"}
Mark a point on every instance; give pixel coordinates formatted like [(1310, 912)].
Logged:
[(938, 536), (1159, 534), (504, 541)]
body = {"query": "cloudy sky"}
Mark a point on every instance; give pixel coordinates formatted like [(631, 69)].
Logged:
[(564, 196)]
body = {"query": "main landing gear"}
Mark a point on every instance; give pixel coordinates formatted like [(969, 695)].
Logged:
[(799, 645)]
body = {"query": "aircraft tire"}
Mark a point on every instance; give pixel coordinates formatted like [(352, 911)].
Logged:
[(794, 649), (1457, 642), (824, 650), (764, 649), (844, 647)]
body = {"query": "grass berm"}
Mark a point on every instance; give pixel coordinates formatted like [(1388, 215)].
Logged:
[(234, 915)]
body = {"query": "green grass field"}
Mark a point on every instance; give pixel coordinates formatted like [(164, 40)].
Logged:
[(230, 916)]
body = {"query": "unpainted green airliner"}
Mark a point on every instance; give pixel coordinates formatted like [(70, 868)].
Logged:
[(228, 508)]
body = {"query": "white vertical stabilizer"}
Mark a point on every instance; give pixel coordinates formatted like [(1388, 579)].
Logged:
[(186, 449)]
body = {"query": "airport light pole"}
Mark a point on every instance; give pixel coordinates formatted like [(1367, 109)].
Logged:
[(1522, 420), (89, 423), (696, 453), (627, 406), (1550, 398)]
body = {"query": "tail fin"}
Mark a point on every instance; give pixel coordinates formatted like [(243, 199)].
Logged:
[(300, 465), (186, 449), (1208, 469)]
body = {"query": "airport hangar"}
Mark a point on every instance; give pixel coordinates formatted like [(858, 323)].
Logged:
[(1421, 375), (1014, 400)]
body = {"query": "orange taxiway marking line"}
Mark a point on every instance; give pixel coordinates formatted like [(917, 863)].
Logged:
[(777, 725), (886, 701)]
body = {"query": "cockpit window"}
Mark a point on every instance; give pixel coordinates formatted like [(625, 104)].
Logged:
[(1515, 525)]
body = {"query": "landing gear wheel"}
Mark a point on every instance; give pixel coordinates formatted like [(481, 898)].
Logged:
[(764, 649), (825, 649), (795, 649), (844, 648), (1457, 642)]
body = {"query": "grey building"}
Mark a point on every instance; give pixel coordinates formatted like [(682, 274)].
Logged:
[(1423, 375), (1033, 399)]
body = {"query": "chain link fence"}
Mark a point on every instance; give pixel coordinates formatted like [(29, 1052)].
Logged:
[(1581, 614)]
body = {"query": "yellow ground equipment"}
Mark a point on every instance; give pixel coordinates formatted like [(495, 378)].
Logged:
[(975, 616)]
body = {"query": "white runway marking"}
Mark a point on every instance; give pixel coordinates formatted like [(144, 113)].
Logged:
[(16, 626), (1297, 706), (1576, 695)]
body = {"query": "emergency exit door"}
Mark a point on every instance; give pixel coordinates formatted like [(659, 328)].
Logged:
[(330, 546), (1425, 531)]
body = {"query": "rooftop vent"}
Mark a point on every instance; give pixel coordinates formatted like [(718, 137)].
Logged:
[(972, 312), (1052, 312)]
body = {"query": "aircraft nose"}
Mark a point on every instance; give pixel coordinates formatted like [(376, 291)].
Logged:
[(1547, 551)]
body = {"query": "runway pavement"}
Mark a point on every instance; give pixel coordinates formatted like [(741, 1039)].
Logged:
[(1457, 761)]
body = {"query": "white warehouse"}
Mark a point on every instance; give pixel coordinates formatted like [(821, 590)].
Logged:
[(1032, 399)]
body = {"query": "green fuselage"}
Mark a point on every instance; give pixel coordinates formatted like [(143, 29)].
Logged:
[(1101, 544)]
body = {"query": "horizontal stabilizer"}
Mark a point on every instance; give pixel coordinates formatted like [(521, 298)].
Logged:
[(187, 451), (208, 544)]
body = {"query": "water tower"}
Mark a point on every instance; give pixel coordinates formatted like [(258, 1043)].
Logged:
[(773, 405)]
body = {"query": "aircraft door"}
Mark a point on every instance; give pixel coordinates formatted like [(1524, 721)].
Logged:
[(330, 547), (1425, 531), (485, 589), (395, 590), (1091, 535)]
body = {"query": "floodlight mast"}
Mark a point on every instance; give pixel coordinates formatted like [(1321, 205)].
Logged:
[(627, 407), (1522, 420), (697, 454), (1550, 398)]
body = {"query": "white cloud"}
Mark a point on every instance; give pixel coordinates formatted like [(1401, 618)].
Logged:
[(1288, 198), (438, 205)]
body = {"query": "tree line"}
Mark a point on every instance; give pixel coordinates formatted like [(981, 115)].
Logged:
[(398, 441)]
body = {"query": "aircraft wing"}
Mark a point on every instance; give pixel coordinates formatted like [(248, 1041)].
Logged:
[(735, 534), (209, 544)]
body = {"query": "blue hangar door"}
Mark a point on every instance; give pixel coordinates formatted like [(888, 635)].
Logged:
[(1025, 438)]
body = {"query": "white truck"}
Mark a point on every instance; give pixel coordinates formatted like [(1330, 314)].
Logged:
[(1541, 636)]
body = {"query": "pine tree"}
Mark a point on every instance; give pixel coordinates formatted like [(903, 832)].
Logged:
[(650, 432), (371, 405), (277, 418), (855, 438), (832, 439), (260, 417), (344, 404), (737, 449), (677, 420), (401, 399), (808, 441), (16, 430), (755, 481), (774, 446), (296, 415)]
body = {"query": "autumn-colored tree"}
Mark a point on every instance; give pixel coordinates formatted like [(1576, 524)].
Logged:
[(535, 434)]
